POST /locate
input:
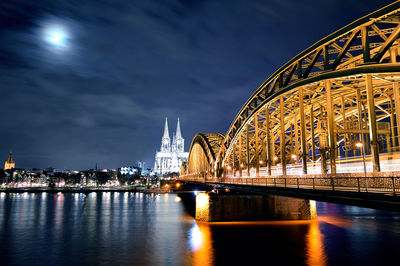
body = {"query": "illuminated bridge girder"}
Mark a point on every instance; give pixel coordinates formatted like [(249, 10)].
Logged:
[(202, 154), (336, 101), (317, 146)]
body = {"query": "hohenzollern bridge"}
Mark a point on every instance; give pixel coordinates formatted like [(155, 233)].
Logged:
[(325, 124)]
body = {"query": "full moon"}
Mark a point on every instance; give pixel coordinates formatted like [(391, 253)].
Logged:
[(57, 36)]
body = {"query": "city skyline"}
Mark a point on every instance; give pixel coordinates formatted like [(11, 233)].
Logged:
[(93, 83)]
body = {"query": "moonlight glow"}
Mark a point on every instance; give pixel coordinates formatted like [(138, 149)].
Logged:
[(57, 36)]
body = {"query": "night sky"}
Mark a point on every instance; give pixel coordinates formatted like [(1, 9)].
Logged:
[(92, 81)]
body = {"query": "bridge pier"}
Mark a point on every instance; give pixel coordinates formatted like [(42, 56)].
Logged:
[(211, 207)]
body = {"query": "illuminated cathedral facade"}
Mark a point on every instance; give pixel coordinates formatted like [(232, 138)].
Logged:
[(171, 155)]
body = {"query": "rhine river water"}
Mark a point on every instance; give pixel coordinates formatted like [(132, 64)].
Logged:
[(149, 229)]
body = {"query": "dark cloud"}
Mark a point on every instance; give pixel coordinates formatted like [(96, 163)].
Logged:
[(129, 64)]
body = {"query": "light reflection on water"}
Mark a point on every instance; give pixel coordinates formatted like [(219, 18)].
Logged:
[(315, 252), (200, 245), (149, 229), (195, 241)]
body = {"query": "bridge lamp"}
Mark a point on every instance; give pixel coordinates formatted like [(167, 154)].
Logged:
[(294, 156), (260, 162), (275, 158), (359, 145), (241, 165), (229, 167)]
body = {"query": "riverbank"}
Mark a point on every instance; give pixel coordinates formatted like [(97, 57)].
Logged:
[(83, 189)]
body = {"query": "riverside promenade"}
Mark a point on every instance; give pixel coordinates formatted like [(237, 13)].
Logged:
[(83, 189)]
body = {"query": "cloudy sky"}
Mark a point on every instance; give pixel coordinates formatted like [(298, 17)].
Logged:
[(92, 80)]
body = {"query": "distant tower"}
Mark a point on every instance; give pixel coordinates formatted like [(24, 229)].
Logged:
[(180, 142), (166, 141), (9, 164)]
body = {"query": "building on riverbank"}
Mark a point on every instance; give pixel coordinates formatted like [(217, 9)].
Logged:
[(9, 164)]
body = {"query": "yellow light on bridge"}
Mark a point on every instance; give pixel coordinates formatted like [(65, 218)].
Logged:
[(294, 156), (202, 201), (178, 185), (241, 165), (260, 162), (275, 158), (359, 145), (229, 167)]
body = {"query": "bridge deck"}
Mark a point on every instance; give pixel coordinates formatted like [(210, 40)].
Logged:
[(380, 192)]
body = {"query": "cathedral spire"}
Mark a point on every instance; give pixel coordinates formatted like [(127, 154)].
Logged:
[(178, 130), (166, 132), (10, 160), (165, 141)]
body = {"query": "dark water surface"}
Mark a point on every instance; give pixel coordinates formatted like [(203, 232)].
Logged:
[(144, 229)]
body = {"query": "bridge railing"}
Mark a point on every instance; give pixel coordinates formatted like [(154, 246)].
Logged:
[(389, 184)]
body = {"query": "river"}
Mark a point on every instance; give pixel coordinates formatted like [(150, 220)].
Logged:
[(113, 228)]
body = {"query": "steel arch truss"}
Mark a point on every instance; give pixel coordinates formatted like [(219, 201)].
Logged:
[(319, 107), (203, 153)]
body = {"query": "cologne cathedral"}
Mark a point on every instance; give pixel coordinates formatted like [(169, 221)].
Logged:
[(170, 157)]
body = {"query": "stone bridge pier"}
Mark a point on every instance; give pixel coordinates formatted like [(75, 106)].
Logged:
[(212, 207)]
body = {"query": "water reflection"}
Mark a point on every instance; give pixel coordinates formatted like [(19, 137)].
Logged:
[(341, 235), (200, 244), (315, 247), (195, 240), (131, 228)]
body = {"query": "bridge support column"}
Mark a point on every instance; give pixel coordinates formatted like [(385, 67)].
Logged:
[(331, 126), (396, 96), (392, 126), (322, 141), (268, 142), (296, 137), (373, 135), (302, 132), (233, 160), (256, 148), (312, 134), (240, 154), (248, 150), (345, 136), (212, 207), (361, 135), (282, 138)]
